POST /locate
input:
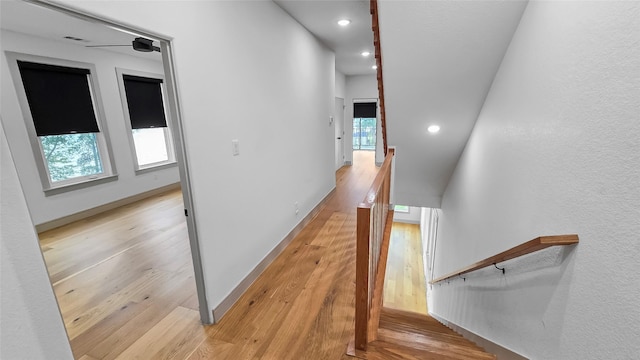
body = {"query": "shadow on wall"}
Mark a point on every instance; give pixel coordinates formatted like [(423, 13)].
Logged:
[(541, 280)]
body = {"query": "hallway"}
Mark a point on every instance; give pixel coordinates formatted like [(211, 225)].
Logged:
[(302, 306), (124, 283)]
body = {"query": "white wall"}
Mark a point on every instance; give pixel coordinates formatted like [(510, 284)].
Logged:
[(262, 79), (341, 85), (31, 326), (555, 150), (46, 208), (412, 217), (360, 87)]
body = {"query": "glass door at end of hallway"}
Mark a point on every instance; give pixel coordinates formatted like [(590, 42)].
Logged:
[(364, 133)]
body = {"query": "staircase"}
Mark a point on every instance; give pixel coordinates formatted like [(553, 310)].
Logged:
[(407, 335)]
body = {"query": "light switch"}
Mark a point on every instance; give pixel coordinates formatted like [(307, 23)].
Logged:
[(235, 147)]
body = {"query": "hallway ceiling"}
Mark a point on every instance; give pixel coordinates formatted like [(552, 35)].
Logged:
[(439, 61), (26, 18), (320, 17)]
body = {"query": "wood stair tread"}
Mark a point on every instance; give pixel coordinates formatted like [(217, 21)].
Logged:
[(407, 335), (383, 350), (424, 343), (413, 322)]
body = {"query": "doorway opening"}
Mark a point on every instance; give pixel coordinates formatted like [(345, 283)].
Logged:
[(364, 125), (125, 257), (364, 133)]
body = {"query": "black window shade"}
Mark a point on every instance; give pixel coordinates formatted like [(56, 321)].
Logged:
[(59, 99), (144, 99), (364, 110)]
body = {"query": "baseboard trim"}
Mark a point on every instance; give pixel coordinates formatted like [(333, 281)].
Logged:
[(414, 222), (237, 292), (500, 351), (347, 163), (102, 208)]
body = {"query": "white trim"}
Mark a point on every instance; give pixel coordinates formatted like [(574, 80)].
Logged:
[(174, 108), (365, 100), (162, 165), (79, 185), (402, 221), (102, 208), (168, 133)]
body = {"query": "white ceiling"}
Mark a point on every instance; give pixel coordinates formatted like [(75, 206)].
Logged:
[(34, 20), (320, 17), (439, 60)]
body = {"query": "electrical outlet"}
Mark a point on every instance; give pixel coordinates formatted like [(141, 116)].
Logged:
[(295, 205)]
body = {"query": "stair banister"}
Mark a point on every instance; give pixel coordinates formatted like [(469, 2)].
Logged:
[(528, 247), (374, 218)]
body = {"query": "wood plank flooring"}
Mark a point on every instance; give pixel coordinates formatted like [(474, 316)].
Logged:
[(405, 286), (119, 274), (125, 287), (405, 335), (124, 283)]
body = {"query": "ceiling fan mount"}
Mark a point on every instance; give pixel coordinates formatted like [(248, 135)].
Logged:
[(139, 44), (144, 45)]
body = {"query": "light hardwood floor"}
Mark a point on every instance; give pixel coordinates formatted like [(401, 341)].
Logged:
[(120, 274), (124, 282), (405, 286)]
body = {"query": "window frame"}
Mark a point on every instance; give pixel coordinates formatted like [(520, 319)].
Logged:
[(102, 137), (168, 130)]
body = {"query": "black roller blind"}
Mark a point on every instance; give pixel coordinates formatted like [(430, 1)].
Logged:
[(144, 98), (59, 98), (364, 110)]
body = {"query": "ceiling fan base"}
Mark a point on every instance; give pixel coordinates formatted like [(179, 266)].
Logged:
[(144, 45)]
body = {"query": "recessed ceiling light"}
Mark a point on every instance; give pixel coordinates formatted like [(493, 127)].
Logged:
[(374, 67), (433, 129), (366, 53), (344, 22)]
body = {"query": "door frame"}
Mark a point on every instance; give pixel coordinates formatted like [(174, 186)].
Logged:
[(378, 128), (341, 134), (175, 112)]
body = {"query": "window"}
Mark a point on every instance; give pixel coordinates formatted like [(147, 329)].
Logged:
[(60, 107), (150, 136), (364, 134), (364, 126)]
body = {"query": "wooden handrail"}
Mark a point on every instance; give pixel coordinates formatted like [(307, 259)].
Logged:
[(528, 247), (385, 169), (374, 219), (375, 26)]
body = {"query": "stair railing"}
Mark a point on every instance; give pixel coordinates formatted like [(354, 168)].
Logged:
[(525, 248), (374, 218), (375, 27)]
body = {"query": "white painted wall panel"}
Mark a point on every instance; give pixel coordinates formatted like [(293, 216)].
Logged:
[(31, 326), (247, 71), (555, 150)]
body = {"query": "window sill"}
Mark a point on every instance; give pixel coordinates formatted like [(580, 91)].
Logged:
[(156, 167), (79, 185)]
